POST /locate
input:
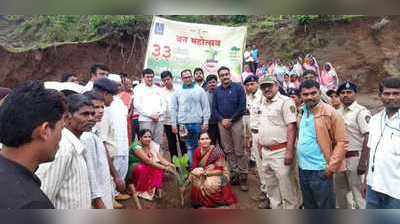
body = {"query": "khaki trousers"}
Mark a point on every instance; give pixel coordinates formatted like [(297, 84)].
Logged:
[(279, 179), (232, 140), (348, 186), (261, 174)]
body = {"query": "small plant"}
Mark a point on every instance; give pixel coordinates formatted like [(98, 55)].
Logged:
[(182, 163)]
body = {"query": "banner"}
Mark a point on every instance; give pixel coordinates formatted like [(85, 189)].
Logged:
[(176, 46)]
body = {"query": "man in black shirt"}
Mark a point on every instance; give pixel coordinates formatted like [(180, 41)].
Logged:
[(31, 120)]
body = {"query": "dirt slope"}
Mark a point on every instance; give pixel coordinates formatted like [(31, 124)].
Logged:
[(357, 50)]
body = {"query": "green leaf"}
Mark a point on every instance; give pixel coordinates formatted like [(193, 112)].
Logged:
[(176, 161)]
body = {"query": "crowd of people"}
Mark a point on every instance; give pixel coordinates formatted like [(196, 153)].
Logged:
[(313, 146)]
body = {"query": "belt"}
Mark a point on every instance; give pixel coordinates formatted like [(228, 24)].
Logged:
[(254, 131), (277, 146), (350, 154)]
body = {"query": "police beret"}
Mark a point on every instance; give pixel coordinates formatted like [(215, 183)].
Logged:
[(293, 92), (107, 85), (347, 86), (250, 78)]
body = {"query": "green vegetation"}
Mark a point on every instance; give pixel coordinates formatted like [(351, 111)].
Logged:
[(19, 33)]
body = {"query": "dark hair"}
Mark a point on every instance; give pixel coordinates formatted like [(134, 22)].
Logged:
[(142, 132), (94, 95), (389, 82), (66, 76), (147, 71), (186, 70), (312, 72), (94, 68), (331, 92), (198, 69), (166, 74), (308, 84), (67, 92), (211, 77), (222, 68), (4, 92), (77, 101), (27, 107), (123, 75)]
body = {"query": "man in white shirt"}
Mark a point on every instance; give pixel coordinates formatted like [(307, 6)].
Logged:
[(168, 91), (97, 71), (356, 118), (150, 105), (101, 188), (65, 180), (383, 176), (113, 130)]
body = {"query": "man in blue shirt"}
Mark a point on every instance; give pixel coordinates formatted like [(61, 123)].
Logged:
[(229, 106)]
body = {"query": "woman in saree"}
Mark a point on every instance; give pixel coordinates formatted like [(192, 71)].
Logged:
[(147, 166), (210, 177), (329, 77), (310, 63)]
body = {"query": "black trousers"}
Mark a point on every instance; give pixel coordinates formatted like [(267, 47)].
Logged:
[(213, 132), (171, 139)]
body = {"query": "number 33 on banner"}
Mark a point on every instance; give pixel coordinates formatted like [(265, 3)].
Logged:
[(164, 52)]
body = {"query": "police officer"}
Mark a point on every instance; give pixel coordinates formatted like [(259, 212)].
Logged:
[(356, 119), (253, 100), (276, 144), (253, 95)]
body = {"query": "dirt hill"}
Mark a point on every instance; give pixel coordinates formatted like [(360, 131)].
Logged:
[(365, 50)]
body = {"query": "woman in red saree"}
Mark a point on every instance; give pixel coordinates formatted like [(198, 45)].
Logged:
[(147, 166), (210, 177)]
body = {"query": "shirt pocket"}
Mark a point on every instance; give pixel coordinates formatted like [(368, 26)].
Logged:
[(275, 117), (395, 143)]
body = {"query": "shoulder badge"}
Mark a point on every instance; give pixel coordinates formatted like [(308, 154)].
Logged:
[(293, 109)]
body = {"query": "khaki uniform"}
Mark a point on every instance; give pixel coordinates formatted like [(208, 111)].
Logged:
[(253, 104), (251, 120), (348, 183), (275, 118)]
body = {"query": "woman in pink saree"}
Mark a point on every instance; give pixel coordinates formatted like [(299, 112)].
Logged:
[(210, 177), (329, 77), (310, 63)]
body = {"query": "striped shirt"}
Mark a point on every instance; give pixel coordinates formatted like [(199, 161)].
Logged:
[(65, 180)]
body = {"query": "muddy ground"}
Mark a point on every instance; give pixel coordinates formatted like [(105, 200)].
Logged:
[(171, 198)]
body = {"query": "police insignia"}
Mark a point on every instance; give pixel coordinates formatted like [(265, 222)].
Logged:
[(367, 118), (293, 109)]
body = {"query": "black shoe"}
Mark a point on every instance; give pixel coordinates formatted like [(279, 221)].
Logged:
[(243, 183), (265, 204), (252, 164)]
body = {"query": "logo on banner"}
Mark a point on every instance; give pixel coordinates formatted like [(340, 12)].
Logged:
[(159, 29)]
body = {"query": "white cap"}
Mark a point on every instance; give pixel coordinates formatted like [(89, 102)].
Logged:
[(59, 86), (114, 77)]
